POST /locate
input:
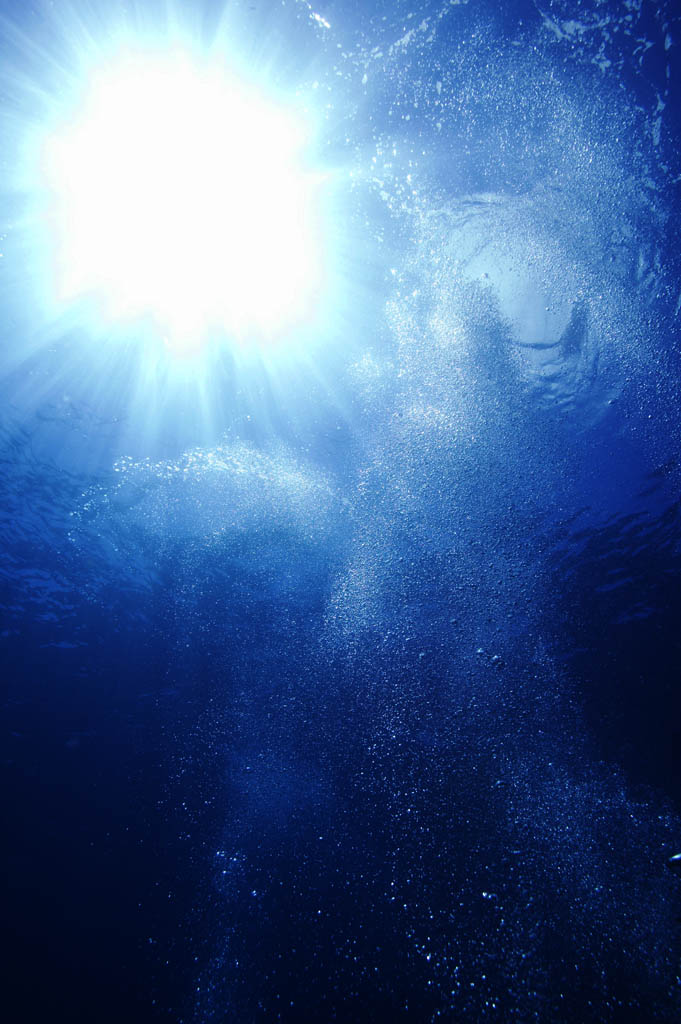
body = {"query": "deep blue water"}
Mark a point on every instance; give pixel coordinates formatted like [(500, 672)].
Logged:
[(348, 688)]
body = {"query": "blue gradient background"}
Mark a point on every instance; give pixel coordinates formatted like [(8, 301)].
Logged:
[(342, 683)]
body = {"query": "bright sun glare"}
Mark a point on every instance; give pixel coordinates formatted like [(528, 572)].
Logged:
[(178, 194)]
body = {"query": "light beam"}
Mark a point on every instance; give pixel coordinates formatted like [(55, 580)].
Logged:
[(178, 193)]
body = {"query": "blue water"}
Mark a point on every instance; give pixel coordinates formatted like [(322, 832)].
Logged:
[(345, 687)]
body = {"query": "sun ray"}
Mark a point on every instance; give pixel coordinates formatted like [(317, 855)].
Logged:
[(180, 194)]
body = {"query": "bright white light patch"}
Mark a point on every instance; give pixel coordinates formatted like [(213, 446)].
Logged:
[(180, 195)]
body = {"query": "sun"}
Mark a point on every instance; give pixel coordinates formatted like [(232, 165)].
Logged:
[(179, 194)]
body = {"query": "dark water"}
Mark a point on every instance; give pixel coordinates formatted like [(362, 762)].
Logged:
[(354, 693)]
